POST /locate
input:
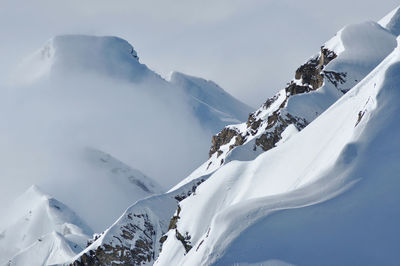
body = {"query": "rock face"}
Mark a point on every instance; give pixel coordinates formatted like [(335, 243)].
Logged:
[(269, 122), (137, 237), (140, 231), (224, 137)]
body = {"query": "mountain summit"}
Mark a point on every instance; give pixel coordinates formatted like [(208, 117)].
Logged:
[(104, 55)]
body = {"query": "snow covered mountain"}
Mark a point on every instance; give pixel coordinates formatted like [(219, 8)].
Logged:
[(40, 230), (328, 195), (84, 115), (309, 179), (210, 101), (110, 56), (341, 64)]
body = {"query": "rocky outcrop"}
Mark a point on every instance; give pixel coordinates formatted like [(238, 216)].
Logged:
[(183, 195), (267, 124), (222, 138), (141, 251), (310, 73), (137, 237), (269, 139)]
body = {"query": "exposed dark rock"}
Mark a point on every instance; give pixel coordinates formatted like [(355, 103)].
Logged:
[(184, 195), (185, 240), (360, 116), (163, 239), (253, 123), (335, 78), (269, 102), (294, 89), (136, 253), (309, 77), (201, 242), (269, 139), (174, 219), (222, 138), (311, 74)]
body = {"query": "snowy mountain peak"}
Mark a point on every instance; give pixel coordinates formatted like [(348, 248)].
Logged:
[(94, 45), (107, 55), (35, 191), (36, 220), (176, 77), (392, 21), (212, 99)]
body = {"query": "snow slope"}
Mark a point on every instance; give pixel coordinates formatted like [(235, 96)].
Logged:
[(40, 230), (352, 53), (328, 195), (392, 21), (210, 101)]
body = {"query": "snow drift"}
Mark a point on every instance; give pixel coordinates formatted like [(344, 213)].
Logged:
[(328, 195)]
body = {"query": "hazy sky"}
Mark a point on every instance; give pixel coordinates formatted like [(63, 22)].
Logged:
[(251, 48)]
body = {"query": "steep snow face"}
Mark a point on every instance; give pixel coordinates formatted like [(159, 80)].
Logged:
[(40, 228), (392, 21), (210, 102), (342, 63), (328, 195)]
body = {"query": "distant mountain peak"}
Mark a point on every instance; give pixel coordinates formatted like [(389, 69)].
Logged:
[(94, 44), (34, 223), (210, 100), (105, 55)]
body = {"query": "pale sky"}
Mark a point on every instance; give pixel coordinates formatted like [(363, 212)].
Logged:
[(250, 48)]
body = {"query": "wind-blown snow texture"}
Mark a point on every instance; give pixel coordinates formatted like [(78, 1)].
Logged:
[(223, 212), (357, 50), (327, 196)]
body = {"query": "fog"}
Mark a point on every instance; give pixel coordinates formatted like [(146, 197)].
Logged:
[(47, 124)]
